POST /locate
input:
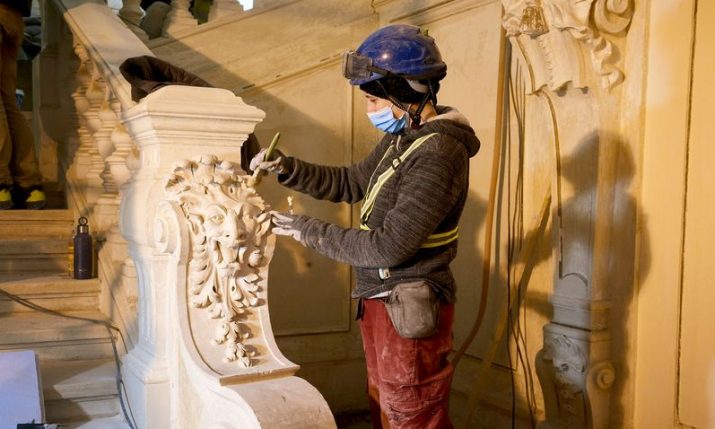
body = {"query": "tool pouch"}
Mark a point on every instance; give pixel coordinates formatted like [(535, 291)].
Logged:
[(413, 308)]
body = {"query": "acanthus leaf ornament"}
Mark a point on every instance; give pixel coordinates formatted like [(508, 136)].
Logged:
[(228, 224), (571, 26)]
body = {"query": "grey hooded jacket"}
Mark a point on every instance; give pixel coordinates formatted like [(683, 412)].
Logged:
[(426, 195)]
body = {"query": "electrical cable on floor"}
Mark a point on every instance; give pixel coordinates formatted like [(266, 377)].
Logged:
[(126, 408)]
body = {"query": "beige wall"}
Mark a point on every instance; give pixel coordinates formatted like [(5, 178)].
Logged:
[(696, 387), (676, 355)]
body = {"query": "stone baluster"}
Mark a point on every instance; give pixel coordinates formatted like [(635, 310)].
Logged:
[(132, 14), (121, 173), (95, 97), (131, 11), (222, 8), (179, 18), (82, 160), (107, 209)]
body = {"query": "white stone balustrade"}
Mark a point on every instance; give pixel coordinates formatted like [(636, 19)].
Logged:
[(179, 18), (222, 8), (207, 340)]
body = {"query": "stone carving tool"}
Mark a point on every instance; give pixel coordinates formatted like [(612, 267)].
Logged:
[(255, 180)]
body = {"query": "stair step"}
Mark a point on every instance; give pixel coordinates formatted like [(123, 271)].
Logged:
[(52, 291), (81, 409), (114, 422), (33, 255), (36, 223), (56, 338), (30, 246), (78, 379), (79, 390), (42, 263)]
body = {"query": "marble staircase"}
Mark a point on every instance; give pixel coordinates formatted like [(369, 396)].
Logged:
[(77, 364)]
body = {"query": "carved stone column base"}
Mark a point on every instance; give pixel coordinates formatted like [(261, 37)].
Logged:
[(575, 375)]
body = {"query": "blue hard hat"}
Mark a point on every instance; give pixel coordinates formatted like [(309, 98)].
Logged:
[(399, 50)]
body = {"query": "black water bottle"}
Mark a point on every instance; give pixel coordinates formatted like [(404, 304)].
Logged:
[(82, 251)]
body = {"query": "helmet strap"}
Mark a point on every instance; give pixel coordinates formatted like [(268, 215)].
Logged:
[(417, 116)]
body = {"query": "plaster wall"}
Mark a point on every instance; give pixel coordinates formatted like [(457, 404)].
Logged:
[(675, 355), (697, 355)]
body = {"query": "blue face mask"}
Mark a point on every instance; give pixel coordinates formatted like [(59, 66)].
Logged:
[(385, 121)]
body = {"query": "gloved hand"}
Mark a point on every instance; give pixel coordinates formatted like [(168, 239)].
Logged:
[(285, 224), (277, 165)]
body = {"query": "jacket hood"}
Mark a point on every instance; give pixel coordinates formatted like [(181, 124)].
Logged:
[(451, 122)]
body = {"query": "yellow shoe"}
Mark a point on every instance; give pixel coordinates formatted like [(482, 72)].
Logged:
[(36, 200), (5, 197)]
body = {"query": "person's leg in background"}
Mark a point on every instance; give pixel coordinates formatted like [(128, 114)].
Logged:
[(18, 161), (5, 140)]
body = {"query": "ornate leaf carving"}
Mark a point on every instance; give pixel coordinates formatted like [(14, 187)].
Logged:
[(228, 224), (590, 23)]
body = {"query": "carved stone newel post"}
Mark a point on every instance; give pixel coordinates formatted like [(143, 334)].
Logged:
[(200, 239), (566, 52)]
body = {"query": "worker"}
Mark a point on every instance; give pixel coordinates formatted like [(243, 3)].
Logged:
[(413, 187), (20, 177)]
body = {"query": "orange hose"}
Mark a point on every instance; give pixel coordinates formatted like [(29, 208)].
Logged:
[(498, 136)]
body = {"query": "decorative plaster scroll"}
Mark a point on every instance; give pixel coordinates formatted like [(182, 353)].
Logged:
[(561, 367), (228, 224), (575, 378), (574, 25)]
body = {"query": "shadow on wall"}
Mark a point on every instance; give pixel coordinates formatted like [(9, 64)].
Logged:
[(579, 172), (620, 269)]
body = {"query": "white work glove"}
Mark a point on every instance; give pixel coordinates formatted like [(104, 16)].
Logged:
[(285, 224), (277, 165)]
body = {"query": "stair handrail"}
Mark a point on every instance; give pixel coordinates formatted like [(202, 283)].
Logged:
[(107, 40), (192, 135)]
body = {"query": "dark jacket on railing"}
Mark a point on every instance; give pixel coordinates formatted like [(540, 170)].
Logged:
[(147, 74), (22, 6)]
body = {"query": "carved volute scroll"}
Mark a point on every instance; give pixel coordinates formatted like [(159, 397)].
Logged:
[(228, 225), (562, 370), (576, 30)]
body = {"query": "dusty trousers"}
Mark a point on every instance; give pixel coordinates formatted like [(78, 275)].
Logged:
[(408, 381), (18, 160)]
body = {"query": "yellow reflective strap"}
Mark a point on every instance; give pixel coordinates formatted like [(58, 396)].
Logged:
[(371, 196), (439, 243), (430, 244), (434, 240), (443, 234)]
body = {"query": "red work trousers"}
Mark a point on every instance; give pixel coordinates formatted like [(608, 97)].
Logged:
[(408, 381)]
